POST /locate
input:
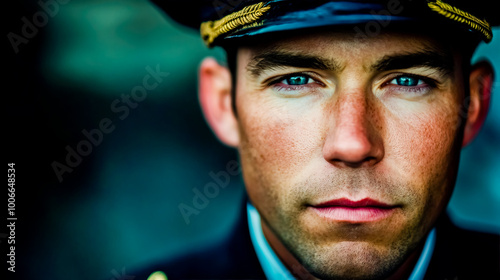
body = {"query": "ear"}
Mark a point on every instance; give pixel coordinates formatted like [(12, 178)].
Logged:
[(215, 100), (481, 83)]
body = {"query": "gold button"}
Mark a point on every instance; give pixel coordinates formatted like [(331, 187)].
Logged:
[(158, 275)]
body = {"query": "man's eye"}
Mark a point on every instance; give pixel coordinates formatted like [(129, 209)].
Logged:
[(410, 85), (297, 80), (407, 81), (296, 84)]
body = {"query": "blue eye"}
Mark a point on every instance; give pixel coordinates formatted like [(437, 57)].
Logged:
[(298, 80), (296, 84), (407, 81)]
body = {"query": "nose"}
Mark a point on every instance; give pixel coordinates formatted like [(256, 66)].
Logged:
[(352, 139)]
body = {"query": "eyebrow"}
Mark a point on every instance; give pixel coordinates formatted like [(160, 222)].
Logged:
[(276, 59), (432, 59), (280, 59)]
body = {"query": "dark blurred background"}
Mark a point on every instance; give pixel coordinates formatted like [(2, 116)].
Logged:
[(118, 207)]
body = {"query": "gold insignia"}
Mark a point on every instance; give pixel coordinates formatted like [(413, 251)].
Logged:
[(458, 15), (158, 275), (210, 30)]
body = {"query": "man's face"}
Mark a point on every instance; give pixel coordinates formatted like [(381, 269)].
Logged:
[(349, 147)]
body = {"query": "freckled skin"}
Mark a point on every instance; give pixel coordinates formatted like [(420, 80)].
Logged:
[(349, 139)]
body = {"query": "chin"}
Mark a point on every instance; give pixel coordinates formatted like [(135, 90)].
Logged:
[(352, 260)]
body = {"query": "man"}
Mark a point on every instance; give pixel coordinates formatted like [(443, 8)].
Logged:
[(349, 118)]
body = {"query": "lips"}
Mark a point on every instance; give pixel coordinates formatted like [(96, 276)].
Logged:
[(361, 211)]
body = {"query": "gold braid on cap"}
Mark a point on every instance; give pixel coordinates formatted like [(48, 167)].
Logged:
[(458, 15), (212, 29)]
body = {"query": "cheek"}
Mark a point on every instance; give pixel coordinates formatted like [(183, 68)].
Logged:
[(425, 147), (276, 144), (421, 143)]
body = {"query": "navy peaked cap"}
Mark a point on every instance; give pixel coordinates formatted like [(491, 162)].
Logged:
[(219, 21)]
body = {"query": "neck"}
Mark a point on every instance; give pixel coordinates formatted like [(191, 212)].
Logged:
[(300, 272)]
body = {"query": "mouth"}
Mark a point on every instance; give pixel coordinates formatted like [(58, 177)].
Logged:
[(349, 211)]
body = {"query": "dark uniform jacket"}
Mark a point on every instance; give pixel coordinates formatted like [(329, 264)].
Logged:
[(459, 254)]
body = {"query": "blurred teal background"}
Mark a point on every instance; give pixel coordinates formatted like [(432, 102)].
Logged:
[(118, 209)]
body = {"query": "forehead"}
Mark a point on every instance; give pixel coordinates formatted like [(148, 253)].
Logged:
[(348, 42)]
